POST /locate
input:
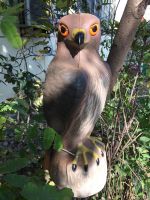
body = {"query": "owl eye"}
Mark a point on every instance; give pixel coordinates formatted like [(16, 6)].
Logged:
[(63, 30), (94, 29)]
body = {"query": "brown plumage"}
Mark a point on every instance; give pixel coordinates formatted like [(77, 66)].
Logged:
[(75, 91)]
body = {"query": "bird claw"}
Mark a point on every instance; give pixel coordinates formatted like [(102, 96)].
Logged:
[(74, 167), (85, 168), (84, 149), (97, 161)]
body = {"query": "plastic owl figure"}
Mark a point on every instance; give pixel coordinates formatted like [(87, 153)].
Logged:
[(75, 91)]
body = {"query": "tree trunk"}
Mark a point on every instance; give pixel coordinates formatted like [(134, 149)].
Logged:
[(129, 23)]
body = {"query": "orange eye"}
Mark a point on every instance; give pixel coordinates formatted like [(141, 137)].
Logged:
[(94, 29), (64, 30)]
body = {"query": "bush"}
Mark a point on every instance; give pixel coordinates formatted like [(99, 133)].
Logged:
[(124, 126)]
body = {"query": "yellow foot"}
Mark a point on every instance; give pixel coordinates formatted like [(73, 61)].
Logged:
[(91, 146)]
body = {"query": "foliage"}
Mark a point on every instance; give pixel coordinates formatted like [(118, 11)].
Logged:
[(23, 132), (127, 137), (51, 137), (8, 22), (124, 124)]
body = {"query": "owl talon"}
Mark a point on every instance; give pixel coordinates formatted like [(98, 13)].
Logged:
[(74, 167), (97, 161), (85, 168), (90, 147)]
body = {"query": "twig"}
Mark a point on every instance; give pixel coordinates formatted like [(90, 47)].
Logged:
[(127, 127), (133, 88)]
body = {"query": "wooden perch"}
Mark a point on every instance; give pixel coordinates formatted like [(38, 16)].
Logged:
[(129, 23)]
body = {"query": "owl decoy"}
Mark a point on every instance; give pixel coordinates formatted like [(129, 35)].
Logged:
[(75, 90)]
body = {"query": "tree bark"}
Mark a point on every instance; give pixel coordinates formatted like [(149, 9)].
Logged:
[(129, 23)]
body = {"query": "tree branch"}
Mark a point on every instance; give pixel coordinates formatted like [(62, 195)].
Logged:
[(130, 20)]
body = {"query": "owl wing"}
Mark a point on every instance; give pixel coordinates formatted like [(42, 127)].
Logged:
[(63, 91)]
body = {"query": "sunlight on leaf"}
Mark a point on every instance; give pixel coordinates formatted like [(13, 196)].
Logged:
[(48, 139), (58, 145), (9, 29), (61, 4)]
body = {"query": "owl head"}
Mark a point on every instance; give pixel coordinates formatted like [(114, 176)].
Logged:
[(79, 30)]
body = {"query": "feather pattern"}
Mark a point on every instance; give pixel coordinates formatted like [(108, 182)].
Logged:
[(75, 91)]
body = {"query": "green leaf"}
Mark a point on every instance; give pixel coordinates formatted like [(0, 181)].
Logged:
[(147, 58), (9, 29), (23, 103), (8, 107), (13, 10), (2, 120), (58, 144), (13, 19), (146, 155), (144, 139), (6, 194), (13, 165), (32, 132), (48, 137), (121, 172), (61, 4), (33, 192), (21, 106), (18, 133), (16, 180)]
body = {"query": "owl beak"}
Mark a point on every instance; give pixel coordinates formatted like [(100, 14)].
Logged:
[(79, 38)]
